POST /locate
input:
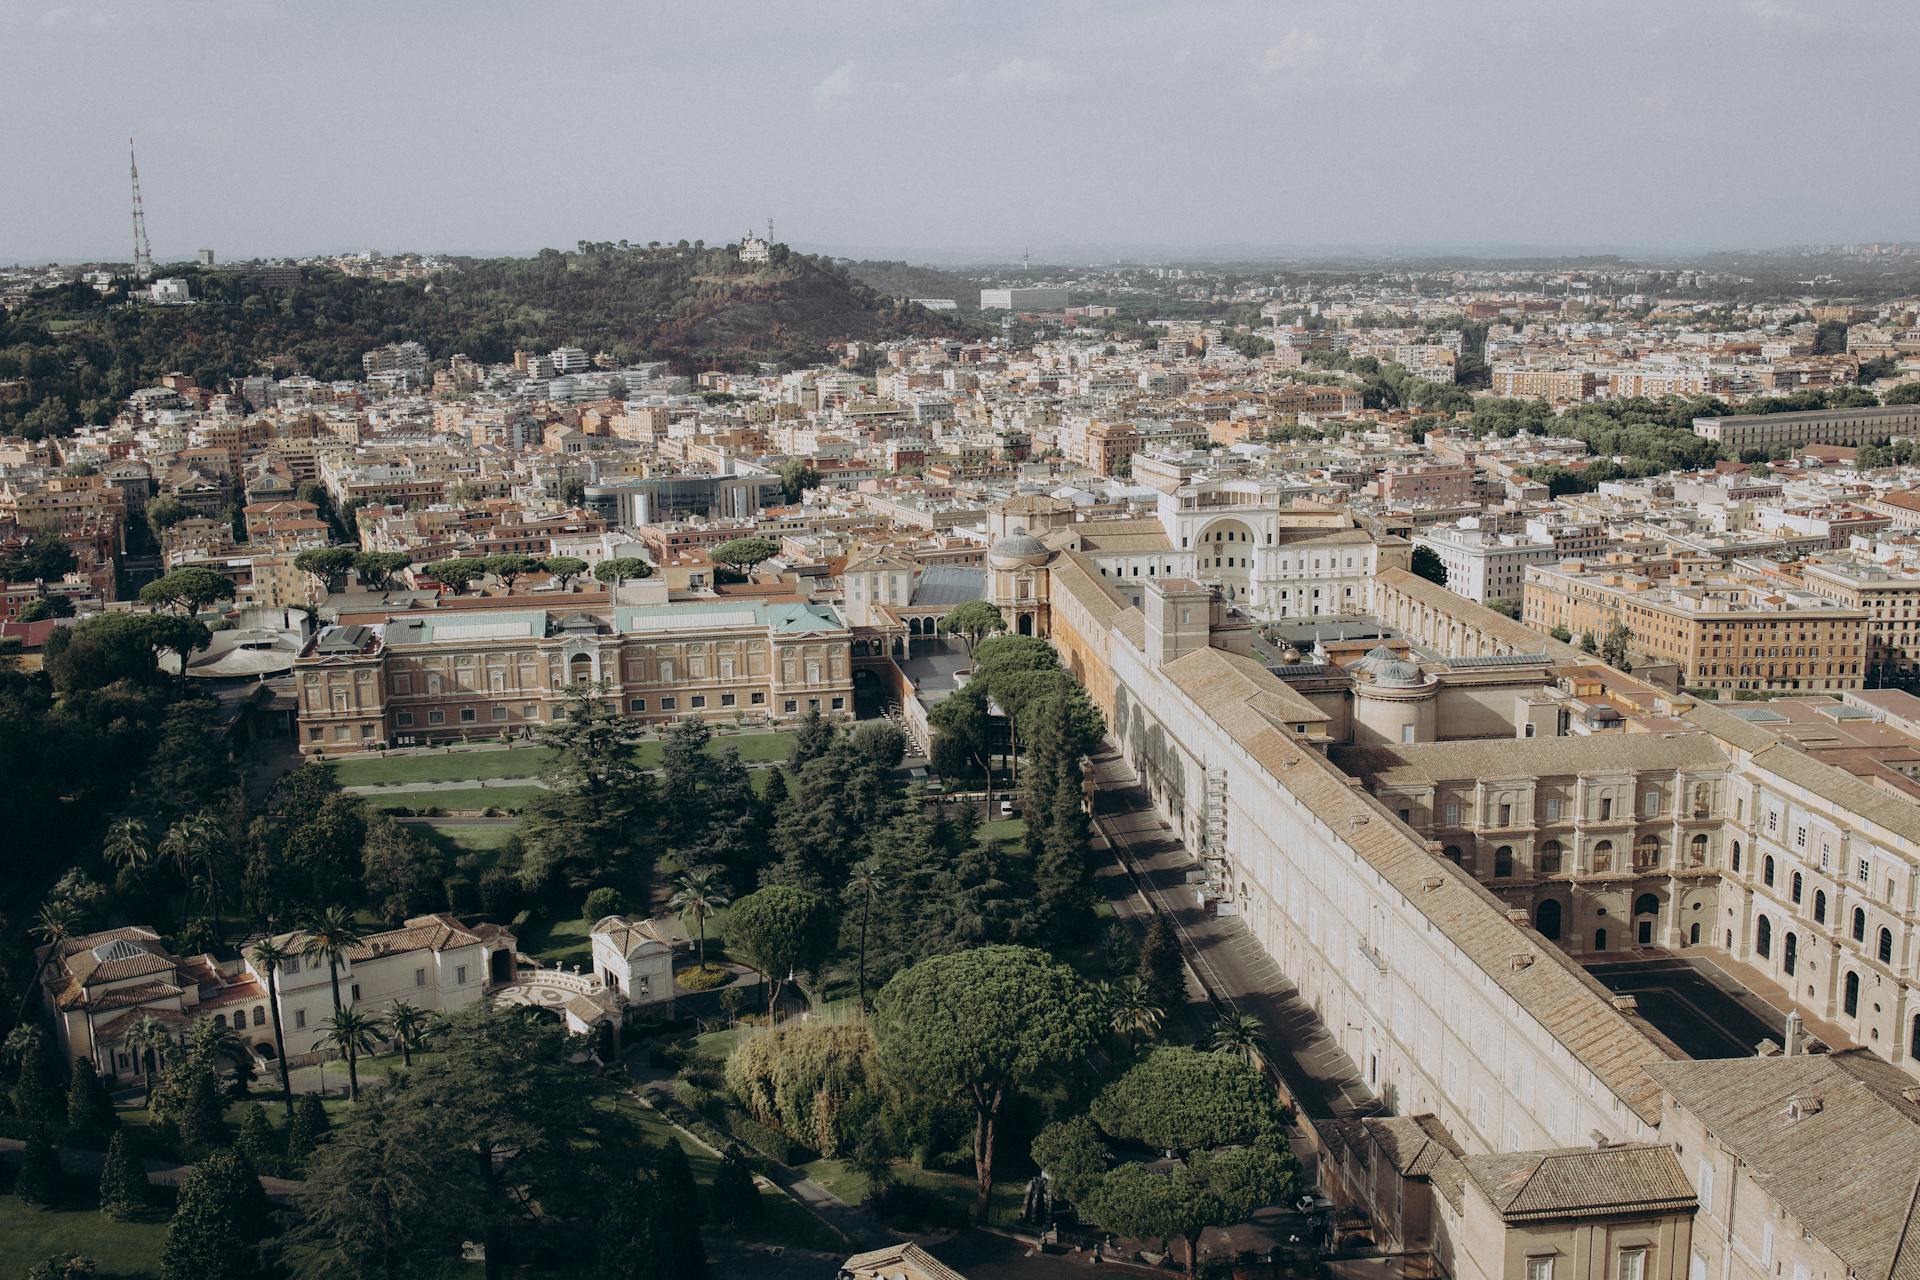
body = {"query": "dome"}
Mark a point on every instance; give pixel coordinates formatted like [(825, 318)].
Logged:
[(1381, 653), (1019, 546), (1399, 675)]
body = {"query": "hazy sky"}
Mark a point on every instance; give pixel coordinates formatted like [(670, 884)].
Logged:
[(967, 126)]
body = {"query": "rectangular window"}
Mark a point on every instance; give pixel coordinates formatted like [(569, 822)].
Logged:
[(669, 703), (1633, 1264), (467, 715), (1550, 808), (1766, 1245), (436, 717), (839, 704), (699, 701), (1506, 815), (637, 704), (728, 700), (790, 706), (1450, 813), (1652, 802), (1704, 1183), (354, 995), (460, 976), (1606, 808), (1862, 871), (757, 698), (299, 1019), (419, 977), (499, 712), (404, 719)]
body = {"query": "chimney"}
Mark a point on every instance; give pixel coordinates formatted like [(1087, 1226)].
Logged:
[(1796, 1035)]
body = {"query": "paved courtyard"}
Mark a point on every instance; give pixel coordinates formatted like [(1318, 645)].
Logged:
[(1698, 1007)]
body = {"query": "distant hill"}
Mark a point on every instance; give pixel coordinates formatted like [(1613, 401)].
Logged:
[(82, 353), (905, 280)]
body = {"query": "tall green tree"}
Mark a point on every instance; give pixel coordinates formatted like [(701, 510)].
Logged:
[(973, 622), (89, 1109), (984, 1026), (124, 1190), (744, 555), (329, 936), (597, 812), (218, 1222), (378, 1202), (352, 1033), (781, 931), (268, 955), (699, 892), (1427, 564)]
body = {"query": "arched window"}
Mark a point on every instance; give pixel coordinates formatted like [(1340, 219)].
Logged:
[(1859, 925), (1851, 1000), (1913, 1040), (1646, 904), (1453, 854), (259, 1015), (1603, 856), (1886, 946), (1819, 906), (1766, 871), (1736, 855), (1648, 852), (1503, 862), (1546, 918), (1550, 858), (1789, 951), (220, 1020), (1697, 851), (1763, 937), (1799, 886)]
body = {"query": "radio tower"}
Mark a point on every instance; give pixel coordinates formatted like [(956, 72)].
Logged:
[(142, 251)]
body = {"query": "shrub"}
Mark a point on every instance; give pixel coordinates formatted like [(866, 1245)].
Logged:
[(462, 897), (63, 1266), (600, 903), (809, 1079), (770, 1143), (500, 893), (697, 977)]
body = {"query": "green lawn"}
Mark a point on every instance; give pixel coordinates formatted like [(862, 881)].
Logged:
[(958, 1190), (561, 941), (1012, 830), (461, 799), (430, 764), (468, 837), (781, 1221), (122, 1249)]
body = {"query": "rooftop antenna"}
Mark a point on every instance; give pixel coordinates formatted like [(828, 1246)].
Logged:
[(1026, 260), (770, 229), (142, 252)]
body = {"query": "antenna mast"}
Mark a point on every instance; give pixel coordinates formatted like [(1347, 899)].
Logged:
[(142, 251)]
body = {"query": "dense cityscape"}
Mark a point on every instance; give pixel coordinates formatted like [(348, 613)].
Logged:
[(667, 758)]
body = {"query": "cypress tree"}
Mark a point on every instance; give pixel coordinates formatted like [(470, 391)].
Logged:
[(201, 1119), (1160, 965), (316, 1113), (123, 1181), (302, 1137), (676, 1221), (89, 1109), (257, 1141), (626, 1235), (38, 1181), (735, 1199), (220, 1214)]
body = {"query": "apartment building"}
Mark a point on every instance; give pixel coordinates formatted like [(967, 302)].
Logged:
[(1483, 565), (1721, 633), (1526, 382), (1888, 593), (493, 673)]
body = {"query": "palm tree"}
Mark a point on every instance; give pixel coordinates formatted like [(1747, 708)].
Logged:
[(408, 1023), (148, 1038), (1239, 1033), (864, 880), (193, 846), (352, 1033), (329, 935), (54, 924), (1131, 1009), (268, 956), (702, 892), (125, 847)]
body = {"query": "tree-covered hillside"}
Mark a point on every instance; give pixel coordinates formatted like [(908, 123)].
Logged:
[(905, 280), (81, 352)]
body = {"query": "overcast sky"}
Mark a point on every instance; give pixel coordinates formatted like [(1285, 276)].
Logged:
[(962, 127)]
